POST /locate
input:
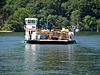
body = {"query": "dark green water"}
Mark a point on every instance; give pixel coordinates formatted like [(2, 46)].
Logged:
[(18, 58)]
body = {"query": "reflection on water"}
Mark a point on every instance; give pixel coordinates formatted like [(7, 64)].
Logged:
[(48, 59), (30, 58), (60, 60)]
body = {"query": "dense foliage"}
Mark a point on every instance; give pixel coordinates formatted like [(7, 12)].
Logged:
[(59, 13)]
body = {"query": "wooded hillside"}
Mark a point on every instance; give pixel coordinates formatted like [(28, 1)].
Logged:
[(60, 13)]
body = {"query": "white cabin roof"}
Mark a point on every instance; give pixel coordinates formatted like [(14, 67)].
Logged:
[(31, 19)]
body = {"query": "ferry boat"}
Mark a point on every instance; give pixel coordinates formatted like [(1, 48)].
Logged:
[(33, 35)]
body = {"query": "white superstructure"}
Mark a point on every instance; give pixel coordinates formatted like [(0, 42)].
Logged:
[(30, 28)]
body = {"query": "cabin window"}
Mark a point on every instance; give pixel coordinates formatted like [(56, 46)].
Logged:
[(33, 26), (31, 21)]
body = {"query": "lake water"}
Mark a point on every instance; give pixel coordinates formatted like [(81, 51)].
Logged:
[(18, 58)]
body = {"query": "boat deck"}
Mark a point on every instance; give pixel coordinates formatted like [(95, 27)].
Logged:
[(50, 41)]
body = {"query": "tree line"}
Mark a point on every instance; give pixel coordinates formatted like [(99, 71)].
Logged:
[(60, 13)]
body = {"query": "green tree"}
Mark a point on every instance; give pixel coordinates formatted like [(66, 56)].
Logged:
[(89, 23), (16, 21), (2, 3), (58, 21), (6, 27), (76, 11), (75, 17), (7, 10)]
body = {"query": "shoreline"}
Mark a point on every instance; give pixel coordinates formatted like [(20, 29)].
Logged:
[(5, 31)]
